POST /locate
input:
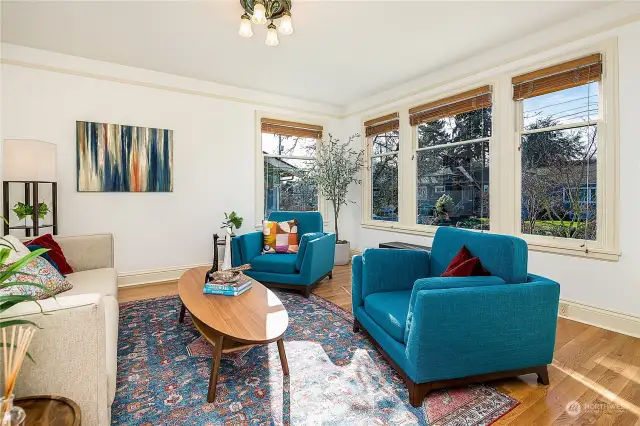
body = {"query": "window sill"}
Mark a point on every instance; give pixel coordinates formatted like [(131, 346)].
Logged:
[(429, 231)]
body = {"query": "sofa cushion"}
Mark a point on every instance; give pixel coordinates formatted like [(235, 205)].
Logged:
[(276, 263), (502, 255), (389, 310), (102, 281)]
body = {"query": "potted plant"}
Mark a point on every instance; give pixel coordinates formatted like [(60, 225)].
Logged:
[(335, 167), (232, 220), (25, 211)]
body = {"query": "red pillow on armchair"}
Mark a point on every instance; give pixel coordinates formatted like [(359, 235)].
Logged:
[(465, 265)]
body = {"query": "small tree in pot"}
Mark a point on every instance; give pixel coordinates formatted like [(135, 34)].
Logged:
[(335, 167)]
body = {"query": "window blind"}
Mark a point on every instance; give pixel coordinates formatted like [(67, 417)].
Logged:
[(463, 102), (291, 128), (380, 125), (558, 77)]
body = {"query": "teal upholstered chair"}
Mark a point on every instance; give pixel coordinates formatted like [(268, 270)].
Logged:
[(301, 271), (440, 332)]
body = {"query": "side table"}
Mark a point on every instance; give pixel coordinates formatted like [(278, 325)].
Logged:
[(49, 410)]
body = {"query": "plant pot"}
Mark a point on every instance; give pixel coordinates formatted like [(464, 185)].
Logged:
[(343, 253)]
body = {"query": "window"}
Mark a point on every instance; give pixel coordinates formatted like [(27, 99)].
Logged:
[(288, 149), (558, 131), (383, 142), (451, 150)]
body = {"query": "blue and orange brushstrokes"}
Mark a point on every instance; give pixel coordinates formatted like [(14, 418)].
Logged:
[(116, 158)]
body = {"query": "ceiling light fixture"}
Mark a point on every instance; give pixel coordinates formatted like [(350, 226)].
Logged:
[(260, 12)]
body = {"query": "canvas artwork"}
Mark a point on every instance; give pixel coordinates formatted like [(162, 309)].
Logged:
[(118, 158)]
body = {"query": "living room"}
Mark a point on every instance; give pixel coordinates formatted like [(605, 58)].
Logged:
[(133, 132)]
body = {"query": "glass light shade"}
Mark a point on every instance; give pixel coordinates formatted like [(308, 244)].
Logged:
[(259, 14), (272, 36), (245, 26), (286, 24)]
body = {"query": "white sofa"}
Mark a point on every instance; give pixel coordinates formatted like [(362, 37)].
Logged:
[(76, 351)]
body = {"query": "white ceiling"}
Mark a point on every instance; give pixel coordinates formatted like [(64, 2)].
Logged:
[(339, 53)]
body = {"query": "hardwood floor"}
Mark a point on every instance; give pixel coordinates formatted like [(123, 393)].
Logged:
[(599, 369)]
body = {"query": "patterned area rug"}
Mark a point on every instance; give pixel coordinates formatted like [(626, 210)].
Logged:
[(337, 377)]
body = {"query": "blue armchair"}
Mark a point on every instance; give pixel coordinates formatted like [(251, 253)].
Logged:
[(441, 332), (301, 271)]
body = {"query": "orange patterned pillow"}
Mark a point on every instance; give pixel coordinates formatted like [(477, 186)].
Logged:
[(280, 237)]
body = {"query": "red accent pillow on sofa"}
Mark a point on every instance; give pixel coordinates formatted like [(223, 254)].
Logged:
[(465, 265), (55, 252)]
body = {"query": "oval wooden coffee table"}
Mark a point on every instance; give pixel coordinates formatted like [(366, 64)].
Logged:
[(232, 323)]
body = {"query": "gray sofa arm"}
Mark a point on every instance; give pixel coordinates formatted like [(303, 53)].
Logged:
[(86, 252)]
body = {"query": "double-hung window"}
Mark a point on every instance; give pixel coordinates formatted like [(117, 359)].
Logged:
[(451, 151), (383, 144), (558, 122), (288, 149)]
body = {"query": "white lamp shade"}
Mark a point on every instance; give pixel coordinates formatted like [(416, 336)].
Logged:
[(28, 160)]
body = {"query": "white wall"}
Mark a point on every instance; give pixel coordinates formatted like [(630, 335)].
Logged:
[(214, 140), (607, 285)]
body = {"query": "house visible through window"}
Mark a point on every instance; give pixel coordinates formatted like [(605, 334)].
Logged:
[(288, 149), (451, 151), (383, 140), (559, 148)]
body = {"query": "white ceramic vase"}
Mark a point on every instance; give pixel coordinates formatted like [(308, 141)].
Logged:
[(226, 263), (343, 254)]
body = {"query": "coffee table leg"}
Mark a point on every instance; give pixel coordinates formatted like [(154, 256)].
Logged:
[(182, 311), (215, 366), (283, 358)]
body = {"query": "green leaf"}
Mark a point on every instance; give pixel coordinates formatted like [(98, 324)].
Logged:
[(13, 268), (4, 254), (12, 323), (9, 301)]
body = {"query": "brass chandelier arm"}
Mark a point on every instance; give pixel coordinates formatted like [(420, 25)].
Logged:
[(274, 8)]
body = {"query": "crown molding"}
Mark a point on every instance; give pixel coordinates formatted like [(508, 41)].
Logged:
[(25, 57), (620, 19)]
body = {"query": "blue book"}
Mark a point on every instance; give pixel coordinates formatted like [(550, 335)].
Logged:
[(206, 290), (234, 288), (219, 285)]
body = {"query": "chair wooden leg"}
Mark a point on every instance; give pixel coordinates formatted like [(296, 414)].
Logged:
[(215, 367), (543, 375), (182, 312), (331, 275), (306, 292), (283, 358), (417, 392), (356, 326)]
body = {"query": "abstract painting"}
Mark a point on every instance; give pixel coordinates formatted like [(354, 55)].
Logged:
[(118, 158)]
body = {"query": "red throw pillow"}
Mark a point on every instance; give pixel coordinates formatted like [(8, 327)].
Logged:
[(465, 269), (465, 265), (55, 252)]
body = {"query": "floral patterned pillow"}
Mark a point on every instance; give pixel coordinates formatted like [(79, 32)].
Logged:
[(280, 237), (41, 273)]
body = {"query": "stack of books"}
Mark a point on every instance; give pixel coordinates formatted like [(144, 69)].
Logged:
[(228, 289)]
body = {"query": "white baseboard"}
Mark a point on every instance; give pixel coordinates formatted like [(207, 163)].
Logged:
[(603, 318), (149, 276)]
